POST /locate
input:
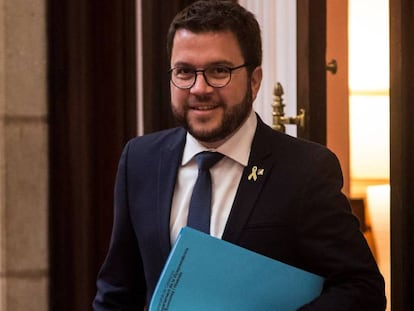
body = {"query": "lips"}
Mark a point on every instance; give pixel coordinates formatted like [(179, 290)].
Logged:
[(205, 107)]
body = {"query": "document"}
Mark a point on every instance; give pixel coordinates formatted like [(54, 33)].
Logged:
[(204, 273)]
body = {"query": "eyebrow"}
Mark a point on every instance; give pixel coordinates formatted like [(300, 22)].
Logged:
[(218, 63)]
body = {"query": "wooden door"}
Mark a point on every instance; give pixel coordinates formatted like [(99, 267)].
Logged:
[(402, 154), (311, 73), (312, 97)]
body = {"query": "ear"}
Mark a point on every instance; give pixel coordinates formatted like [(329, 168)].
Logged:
[(256, 80)]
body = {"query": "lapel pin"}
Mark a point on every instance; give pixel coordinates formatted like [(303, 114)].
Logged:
[(255, 172)]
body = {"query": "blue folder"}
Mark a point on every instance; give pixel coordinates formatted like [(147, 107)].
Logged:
[(204, 273)]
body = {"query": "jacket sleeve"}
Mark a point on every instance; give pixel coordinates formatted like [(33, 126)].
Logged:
[(332, 243), (121, 282)]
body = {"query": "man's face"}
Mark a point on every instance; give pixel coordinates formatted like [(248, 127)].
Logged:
[(212, 114)]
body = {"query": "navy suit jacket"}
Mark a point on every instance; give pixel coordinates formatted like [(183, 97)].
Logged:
[(295, 212)]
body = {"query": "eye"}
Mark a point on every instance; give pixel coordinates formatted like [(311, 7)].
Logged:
[(218, 71), (183, 73)]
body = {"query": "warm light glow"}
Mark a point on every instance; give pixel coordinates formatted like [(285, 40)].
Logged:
[(369, 119), (368, 45), (378, 202), (369, 89), (369, 135)]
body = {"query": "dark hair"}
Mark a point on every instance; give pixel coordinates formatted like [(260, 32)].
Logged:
[(216, 15)]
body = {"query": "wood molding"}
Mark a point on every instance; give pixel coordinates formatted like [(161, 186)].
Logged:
[(311, 73), (402, 153)]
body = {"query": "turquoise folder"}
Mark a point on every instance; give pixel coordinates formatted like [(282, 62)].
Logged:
[(204, 273)]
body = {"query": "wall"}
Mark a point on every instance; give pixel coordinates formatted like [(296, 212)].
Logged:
[(23, 156), (277, 20)]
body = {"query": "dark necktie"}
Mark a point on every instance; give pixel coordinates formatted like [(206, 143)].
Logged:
[(200, 204)]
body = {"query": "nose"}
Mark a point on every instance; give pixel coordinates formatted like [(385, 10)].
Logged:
[(200, 85)]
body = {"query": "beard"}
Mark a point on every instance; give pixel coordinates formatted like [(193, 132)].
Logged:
[(232, 119)]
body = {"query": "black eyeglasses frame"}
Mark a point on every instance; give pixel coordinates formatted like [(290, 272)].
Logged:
[(203, 71)]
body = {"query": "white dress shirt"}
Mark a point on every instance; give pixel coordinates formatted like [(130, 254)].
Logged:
[(225, 178)]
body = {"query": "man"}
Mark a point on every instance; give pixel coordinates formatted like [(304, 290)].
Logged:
[(272, 193)]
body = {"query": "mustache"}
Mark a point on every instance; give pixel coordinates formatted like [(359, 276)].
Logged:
[(203, 101), (199, 99)]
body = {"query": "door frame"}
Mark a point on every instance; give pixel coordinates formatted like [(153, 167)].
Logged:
[(311, 73), (311, 94), (402, 153)]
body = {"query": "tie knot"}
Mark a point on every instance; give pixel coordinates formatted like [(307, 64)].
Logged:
[(207, 159)]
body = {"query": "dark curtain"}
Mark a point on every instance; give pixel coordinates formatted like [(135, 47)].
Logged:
[(92, 113)]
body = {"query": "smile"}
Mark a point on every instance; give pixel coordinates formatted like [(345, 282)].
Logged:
[(205, 107)]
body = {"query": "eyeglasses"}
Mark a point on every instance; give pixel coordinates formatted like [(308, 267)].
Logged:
[(216, 76)]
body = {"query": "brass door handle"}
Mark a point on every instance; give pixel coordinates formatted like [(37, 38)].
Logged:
[(279, 119)]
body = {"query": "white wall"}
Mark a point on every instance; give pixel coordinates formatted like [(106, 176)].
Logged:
[(277, 19)]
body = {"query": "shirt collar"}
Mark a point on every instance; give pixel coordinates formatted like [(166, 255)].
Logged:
[(237, 147)]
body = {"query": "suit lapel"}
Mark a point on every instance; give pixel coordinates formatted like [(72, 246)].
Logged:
[(253, 179), (170, 159), (261, 162)]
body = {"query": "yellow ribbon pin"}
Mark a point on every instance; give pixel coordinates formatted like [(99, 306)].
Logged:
[(253, 174)]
